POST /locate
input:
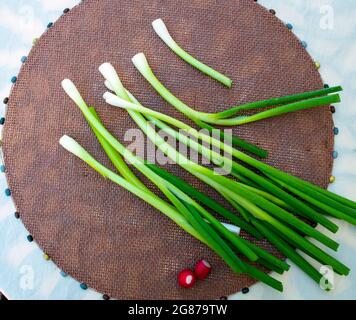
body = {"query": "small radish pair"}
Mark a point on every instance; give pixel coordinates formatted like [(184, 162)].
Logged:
[(187, 278)]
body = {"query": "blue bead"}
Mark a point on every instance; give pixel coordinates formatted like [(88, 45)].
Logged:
[(83, 286), (335, 154), (336, 130), (2, 121), (245, 290), (304, 44), (8, 192), (23, 59), (63, 274), (13, 79), (2, 168), (289, 26), (29, 238), (50, 24)]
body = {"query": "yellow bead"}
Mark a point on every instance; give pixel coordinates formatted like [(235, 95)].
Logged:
[(331, 179), (46, 257), (317, 65)]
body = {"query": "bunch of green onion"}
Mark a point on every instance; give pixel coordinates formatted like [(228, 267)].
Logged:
[(182, 209), (269, 200), (272, 204)]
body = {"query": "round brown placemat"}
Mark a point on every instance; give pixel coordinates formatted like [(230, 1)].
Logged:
[(94, 230)]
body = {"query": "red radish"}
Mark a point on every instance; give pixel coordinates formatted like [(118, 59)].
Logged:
[(186, 278), (202, 269)]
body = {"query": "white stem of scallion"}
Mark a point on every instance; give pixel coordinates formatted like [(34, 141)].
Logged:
[(108, 85), (161, 29), (109, 72), (72, 92)]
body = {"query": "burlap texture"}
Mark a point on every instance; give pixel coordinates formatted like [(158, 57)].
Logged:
[(94, 230)]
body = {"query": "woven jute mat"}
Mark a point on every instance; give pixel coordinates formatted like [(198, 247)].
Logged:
[(96, 231)]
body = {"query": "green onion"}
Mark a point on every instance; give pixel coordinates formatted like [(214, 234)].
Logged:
[(264, 216), (234, 239), (217, 207), (277, 101), (162, 32), (143, 67), (72, 146), (212, 239), (75, 148), (260, 194), (314, 252), (277, 111), (270, 266), (298, 205), (266, 256), (320, 205), (116, 158), (329, 198), (141, 63), (274, 208), (121, 92), (94, 121), (288, 251), (257, 178), (110, 74), (254, 272), (216, 246), (209, 178), (234, 140)]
